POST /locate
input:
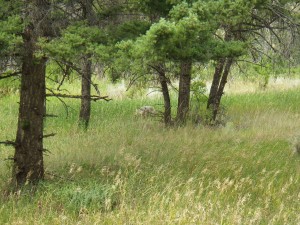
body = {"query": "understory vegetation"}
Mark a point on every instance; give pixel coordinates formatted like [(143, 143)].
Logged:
[(130, 170)]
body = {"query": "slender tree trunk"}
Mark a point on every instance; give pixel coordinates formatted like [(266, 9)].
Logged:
[(221, 87), (215, 83), (217, 89), (28, 159), (166, 95), (85, 109), (222, 70), (184, 92)]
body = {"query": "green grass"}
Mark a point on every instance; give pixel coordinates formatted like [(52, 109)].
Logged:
[(129, 170)]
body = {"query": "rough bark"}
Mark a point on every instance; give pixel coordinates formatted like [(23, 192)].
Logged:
[(166, 95), (85, 109), (28, 159), (215, 83), (184, 92), (222, 70), (220, 92), (28, 164), (217, 89)]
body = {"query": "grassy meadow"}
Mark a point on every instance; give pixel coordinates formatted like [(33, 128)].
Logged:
[(131, 170)]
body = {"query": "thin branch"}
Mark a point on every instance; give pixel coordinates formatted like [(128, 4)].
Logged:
[(168, 80), (48, 135), (49, 78), (14, 74), (62, 101), (95, 87), (51, 116), (253, 48), (281, 14), (92, 97), (9, 158), (9, 143), (65, 75), (267, 25), (247, 61), (132, 81), (77, 69), (46, 151), (241, 69)]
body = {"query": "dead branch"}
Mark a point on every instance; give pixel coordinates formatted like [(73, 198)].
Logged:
[(247, 61), (9, 143), (71, 66), (66, 72), (51, 116), (133, 80), (92, 97), (48, 135), (7, 75), (46, 151), (9, 158), (158, 71), (62, 101)]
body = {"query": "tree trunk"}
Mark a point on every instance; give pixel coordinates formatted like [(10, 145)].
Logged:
[(221, 87), (222, 70), (28, 159), (85, 109), (28, 164), (215, 84), (166, 95), (184, 92)]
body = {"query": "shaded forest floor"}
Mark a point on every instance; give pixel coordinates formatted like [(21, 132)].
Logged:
[(130, 170)]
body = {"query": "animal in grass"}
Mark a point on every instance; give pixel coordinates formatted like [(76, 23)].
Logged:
[(145, 111), (297, 147), (296, 144)]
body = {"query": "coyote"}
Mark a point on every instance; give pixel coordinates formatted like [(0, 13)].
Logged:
[(145, 111)]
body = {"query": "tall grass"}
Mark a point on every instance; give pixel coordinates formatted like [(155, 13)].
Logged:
[(130, 170)]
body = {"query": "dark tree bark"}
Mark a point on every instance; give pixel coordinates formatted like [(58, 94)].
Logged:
[(222, 70), (28, 159), (85, 108), (165, 91), (220, 92), (184, 92), (215, 83), (217, 89)]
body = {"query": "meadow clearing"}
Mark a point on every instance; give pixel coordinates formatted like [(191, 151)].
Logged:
[(130, 170)]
